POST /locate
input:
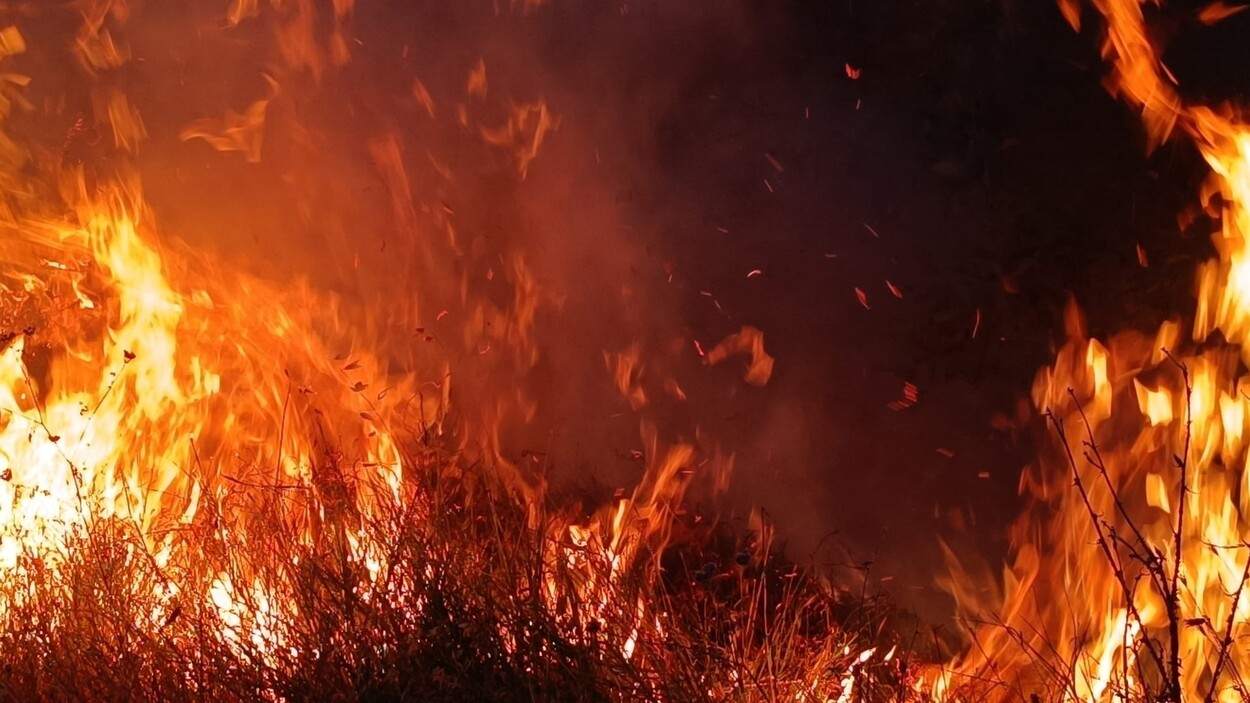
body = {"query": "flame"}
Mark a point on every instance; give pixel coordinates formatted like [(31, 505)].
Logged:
[(193, 391), (219, 439), (240, 10), (233, 131), (1129, 567), (199, 393), (522, 134), (748, 341), (218, 415)]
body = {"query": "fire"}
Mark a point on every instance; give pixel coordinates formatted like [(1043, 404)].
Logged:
[(234, 131), (255, 485), (221, 440), (198, 399), (192, 399), (1129, 569)]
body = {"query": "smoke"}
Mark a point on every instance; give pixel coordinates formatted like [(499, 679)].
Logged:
[(495, 186), (523, 194)]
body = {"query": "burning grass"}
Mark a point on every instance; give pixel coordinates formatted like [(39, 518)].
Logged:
[(217, 486), (461, 610)]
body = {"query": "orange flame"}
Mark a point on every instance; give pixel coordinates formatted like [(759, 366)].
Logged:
[(1129, 567), (167, 392), (233, 131)]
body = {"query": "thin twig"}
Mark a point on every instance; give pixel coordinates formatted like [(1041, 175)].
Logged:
[(1227, 643), (1174, 601), (286, 402), (1103, 543)]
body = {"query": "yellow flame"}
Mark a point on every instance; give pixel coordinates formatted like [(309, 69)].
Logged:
[(1094, 563)]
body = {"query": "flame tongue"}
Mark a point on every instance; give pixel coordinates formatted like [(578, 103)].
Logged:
[(236, 429), (192, 405), (190, 389), (1122, 584)]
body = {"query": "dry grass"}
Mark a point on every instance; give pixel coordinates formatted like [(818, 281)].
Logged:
[(457, 612)]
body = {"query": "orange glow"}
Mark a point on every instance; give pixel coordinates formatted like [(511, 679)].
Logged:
[(749, 342), (168, 394), (226, 436), (1111, 550)]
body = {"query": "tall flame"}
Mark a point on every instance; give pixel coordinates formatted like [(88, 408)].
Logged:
[(1129, 569)]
